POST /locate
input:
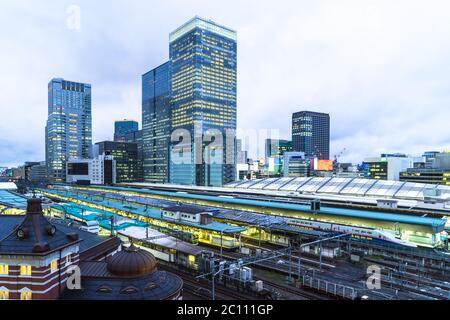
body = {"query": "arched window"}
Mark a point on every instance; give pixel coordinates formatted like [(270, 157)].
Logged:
[(26, 294)]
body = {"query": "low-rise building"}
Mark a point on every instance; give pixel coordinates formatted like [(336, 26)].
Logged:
[(126, 156), (101, 171), (387, 167), (435, 171), (188, 214), (296, 165)]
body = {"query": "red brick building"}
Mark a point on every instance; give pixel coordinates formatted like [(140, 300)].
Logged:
[(35, 255)]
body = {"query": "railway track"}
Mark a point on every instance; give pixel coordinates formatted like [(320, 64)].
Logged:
[(202, 289), (293, 291)]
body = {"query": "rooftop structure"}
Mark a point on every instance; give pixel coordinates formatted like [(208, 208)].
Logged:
[(143, 211), (36, 254), (12, 200), (8, 186), (130, 274), (343, 186), (422, 228)]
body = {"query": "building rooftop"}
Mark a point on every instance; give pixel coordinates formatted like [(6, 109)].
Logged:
[(12, 200), (209, 25), (130, 274), (8, 186), (34, 234), (143, 211), (160, 239), (186, 209), (435, 223)]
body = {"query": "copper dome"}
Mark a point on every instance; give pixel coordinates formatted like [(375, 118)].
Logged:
[(132, 262)]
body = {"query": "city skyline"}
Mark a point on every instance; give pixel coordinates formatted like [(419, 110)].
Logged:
[(372, 92)]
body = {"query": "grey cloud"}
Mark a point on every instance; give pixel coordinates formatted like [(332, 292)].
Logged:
[(380, 68)]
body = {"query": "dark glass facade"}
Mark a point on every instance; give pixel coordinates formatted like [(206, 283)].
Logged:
[(311, 134), (275, 147), (126, 156), (156, 124), (68, 133), (376, 170), (203, 61), (137, 138), (124, 127)]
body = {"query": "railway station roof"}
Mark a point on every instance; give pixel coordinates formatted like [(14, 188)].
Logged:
[(437, 224), (274, 223), (147, 212), (342, 186), (160, 239), (12, 200)]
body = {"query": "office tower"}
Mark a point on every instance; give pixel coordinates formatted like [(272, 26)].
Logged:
[(136, 137), (203, 100), (35, 171), (124, 127), (275, 147), (296, 165), (69, 126), (311, 134), (156, 124), (126, 157), (241, 154)]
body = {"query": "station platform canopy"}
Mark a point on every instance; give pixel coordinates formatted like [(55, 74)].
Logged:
[(144, 211), (8, 186), (343, 186), (274, 223), (12, 200), (155, 237), (436, 224)]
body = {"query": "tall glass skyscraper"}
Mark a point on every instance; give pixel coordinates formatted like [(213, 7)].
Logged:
[(203, 66), (69, 126), (156, 123), (311, 134), (124, 127)]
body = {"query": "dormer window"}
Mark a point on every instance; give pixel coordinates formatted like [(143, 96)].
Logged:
[(104, 289), (129, 290)]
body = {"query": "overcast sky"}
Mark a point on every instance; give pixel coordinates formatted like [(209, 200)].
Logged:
[(380, 68)]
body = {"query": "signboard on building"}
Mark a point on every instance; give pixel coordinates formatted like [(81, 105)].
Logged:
[(323, 165)]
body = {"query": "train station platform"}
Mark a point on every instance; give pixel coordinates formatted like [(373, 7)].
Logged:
[(434, 225), (140, 211)]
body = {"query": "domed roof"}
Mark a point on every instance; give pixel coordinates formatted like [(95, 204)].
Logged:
[(132, 262)]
